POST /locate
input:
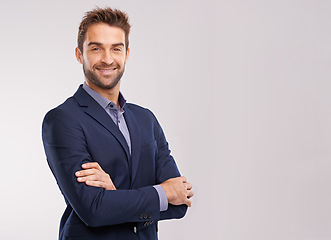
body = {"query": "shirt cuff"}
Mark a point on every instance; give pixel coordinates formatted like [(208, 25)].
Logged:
[(163, 198)]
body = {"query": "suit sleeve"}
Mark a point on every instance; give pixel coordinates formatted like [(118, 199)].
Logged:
[(166, 169), (66, 151)]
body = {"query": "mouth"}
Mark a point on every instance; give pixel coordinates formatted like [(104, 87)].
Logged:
[(106, 71)]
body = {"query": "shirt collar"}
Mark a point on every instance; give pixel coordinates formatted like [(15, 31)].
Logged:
[(104, 102)]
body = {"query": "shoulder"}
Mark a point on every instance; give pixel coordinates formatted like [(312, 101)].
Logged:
[(66, 110), (139, 111), (73, 105), (144, 117)]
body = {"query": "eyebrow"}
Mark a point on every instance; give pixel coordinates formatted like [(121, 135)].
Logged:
[(100, 44), (94, 43)]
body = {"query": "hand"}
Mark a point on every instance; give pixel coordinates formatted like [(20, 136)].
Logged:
[(178, 191), (93, 175)]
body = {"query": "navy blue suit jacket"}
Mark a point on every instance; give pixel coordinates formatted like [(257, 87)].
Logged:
[(79, 131)]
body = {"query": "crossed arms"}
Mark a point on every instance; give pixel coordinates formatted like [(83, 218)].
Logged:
[(178, 190), (66, 149)]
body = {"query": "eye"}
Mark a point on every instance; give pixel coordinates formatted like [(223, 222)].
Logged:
[(117, 49), (95, 49)]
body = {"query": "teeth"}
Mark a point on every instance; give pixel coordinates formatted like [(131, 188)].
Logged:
[(107, 71)]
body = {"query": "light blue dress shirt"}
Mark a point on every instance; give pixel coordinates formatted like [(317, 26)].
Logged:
[(118, 118)]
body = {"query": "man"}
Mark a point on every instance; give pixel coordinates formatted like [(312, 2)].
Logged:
[(110, 158)]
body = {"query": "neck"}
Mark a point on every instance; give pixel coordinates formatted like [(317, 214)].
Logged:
[(111, 94)]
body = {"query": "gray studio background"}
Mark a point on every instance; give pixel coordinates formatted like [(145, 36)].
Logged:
[(241, 88)]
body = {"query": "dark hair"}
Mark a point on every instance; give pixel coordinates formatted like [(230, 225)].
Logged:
[(112, 17)]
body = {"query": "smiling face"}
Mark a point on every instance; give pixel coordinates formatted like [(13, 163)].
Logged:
[(104, 56)]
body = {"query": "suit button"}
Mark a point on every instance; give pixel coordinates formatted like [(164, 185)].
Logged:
[(149, 216), (141, 216), (145, 216)]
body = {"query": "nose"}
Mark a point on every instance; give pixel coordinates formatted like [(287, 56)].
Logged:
[(107, 58)]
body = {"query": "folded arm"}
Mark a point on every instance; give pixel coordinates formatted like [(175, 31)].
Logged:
[(178, 190)]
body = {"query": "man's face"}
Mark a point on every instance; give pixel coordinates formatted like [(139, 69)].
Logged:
[(104, 55)]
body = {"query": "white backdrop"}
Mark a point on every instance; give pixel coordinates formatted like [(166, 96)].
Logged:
[(241, 88)]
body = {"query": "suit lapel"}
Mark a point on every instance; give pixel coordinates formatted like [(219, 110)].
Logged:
[(94, 109), (133, 127)]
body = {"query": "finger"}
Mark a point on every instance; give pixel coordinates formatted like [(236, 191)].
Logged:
[(188, 203), (91, 165), (81, 179), (183, 179), (190, 194), (88, 178), (95, 183), (188, 186), (87, 172)]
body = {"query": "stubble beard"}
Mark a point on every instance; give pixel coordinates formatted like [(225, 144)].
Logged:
[(93, 78)]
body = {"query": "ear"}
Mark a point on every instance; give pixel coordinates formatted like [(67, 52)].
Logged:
[(127, 55), (79, 55)]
